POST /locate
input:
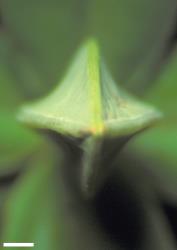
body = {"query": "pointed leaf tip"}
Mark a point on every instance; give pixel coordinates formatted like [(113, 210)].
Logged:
[(92, 43)]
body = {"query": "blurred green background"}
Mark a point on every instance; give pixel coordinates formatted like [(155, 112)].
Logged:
[(37, 41)]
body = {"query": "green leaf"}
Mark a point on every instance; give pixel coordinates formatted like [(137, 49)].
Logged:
[(30, 213), (17, 144), (163, 93), (133, 35), (42, 208), (159, 144), (42, 45), (10, 97), (10, 94), (134, 181)]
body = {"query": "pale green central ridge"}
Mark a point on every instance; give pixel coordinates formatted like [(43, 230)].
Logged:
[(97, 125)]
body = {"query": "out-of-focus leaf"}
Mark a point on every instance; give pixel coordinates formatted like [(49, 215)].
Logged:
[(43, 209), (154, 229), (29, 214), (44, 40), (158, 234), (162, 141), (163, 93), (133, 35), (16, 143), (159, 144), (9, 95)]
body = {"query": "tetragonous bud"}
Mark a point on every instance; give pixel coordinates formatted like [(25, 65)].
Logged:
[(90, 108)]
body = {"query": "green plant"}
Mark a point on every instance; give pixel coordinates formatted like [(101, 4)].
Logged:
[(91, 119), (79, 188), (91, 113)]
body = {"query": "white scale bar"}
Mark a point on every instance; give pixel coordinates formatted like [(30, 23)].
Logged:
[(5, 244)]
